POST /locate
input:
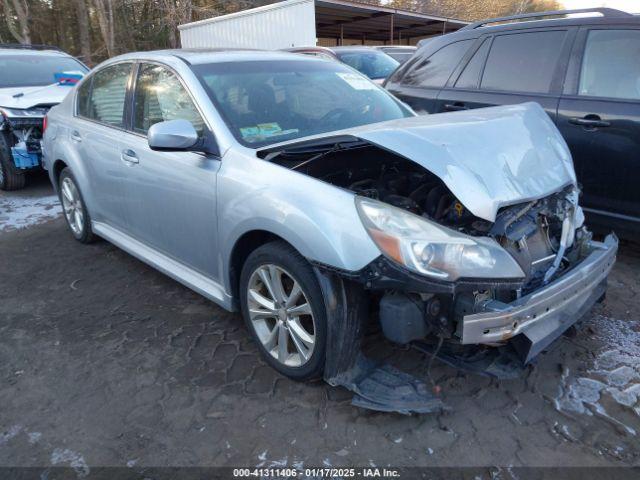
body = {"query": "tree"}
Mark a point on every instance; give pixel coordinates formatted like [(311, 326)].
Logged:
[(84, 37), (475, 9), (104, 14), (20, 9)]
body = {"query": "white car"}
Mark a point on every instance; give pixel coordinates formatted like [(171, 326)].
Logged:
[(34, 79)]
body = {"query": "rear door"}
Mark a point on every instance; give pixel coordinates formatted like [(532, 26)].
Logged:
[(511, 67), (97, 130), (599, 117), (420, 84)]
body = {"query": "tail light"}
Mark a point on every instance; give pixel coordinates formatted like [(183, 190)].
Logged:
[(44, 124)]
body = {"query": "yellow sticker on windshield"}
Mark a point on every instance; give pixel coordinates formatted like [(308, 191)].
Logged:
[(267, 129), (261, 130), (249, 132)]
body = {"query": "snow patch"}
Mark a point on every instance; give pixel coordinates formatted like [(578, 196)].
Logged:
[(18, 212), (75, 461), (34, 437), (9, 434), (615, 374)]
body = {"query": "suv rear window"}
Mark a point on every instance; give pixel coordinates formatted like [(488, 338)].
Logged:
[(433, 72), (523, 62)]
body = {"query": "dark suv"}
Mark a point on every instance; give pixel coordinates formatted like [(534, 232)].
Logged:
[(583, 70)]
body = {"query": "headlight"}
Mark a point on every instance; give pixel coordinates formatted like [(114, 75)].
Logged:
[(431, 249)]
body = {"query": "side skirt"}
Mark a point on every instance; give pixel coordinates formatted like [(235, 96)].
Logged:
[(170, 267)]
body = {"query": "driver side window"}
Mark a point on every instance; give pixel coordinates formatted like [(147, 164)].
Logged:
[(159, 96)]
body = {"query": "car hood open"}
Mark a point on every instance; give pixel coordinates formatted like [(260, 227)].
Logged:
[(489, 158), (29, 97)]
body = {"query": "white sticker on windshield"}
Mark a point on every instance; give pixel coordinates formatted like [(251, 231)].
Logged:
[(358, 82)]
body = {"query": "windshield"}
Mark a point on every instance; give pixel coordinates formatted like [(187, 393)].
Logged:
[(372, 63), (34, 70), (265, 102)]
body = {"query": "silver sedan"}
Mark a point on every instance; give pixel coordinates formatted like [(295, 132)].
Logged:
[(299, 192)]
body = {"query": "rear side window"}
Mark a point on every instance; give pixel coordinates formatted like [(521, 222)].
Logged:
[(83, 98), (109, 88), (611, 65), (523, 62), (433, 72), (471, 74)]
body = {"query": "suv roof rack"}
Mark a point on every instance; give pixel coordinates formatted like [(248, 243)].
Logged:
[(28, 46), (605, 12)]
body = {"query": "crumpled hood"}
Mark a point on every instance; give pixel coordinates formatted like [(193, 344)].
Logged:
[(488, 158), (47, 95)]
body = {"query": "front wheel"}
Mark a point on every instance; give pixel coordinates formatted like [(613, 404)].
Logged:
[(283, 308), (74, 208)]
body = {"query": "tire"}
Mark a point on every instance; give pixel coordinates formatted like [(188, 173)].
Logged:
[(74, 208), (11, 178), (305, 333)]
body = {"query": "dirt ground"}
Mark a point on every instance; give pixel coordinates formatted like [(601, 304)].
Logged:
[(106, 362)]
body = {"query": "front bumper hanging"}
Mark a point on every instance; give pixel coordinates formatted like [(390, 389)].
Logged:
[(535, 320)]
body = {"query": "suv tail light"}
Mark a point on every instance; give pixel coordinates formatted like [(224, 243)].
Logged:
[(44, 124)]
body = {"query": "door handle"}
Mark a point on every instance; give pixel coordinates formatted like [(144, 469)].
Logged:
[(590, 122), (453, 107), (75, 136), (129, 156)]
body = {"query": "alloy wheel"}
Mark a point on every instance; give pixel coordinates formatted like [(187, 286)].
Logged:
[(72, 206), (281, 315)]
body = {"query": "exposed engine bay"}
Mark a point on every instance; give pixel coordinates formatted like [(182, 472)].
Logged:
[(544, 236), (531, 232), (23, 135)]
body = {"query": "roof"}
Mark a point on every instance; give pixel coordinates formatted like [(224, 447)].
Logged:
[(17, 50), (356, 20), (562, 17), (197, 56), (373, 22), (396, 47)]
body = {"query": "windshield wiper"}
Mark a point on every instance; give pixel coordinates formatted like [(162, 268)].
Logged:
[(320, 147)]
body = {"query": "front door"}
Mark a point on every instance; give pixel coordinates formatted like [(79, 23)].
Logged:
[(171, 196), (599, 118)]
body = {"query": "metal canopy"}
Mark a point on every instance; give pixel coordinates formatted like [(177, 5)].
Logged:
[(341, 19)]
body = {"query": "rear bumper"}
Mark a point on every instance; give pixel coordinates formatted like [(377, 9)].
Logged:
[(544, 314)]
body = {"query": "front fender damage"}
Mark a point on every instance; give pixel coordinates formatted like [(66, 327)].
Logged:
[(376, 386)]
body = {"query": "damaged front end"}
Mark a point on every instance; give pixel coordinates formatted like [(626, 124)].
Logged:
[(478, 248), (22, 130)]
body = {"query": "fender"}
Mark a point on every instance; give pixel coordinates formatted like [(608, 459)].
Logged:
[(318, 219)]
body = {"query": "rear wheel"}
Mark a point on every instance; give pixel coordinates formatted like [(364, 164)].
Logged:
[(283, 308), (11, 178), (74, 208)]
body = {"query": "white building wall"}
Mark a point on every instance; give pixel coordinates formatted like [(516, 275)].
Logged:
[(291, 23)]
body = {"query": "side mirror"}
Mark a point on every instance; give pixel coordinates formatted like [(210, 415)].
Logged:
[(172, 135)]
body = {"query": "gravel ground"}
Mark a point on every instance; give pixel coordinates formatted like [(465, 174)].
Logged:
[(106, 362)]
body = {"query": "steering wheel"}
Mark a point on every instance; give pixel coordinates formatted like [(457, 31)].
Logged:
[(332, 116)]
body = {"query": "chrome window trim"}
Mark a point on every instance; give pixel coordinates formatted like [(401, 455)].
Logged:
[(90, 77)]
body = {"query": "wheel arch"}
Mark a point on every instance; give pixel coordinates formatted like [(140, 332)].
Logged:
[(66, 155), (56, 170), (242, 248)]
